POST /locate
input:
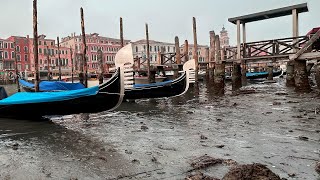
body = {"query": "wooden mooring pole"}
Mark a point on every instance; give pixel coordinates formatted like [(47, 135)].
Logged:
[(16, 65), (236, 77), (186, 51), (150, 76), (100, 59), (178, 57), (195, 48), (84, 54), (212, 54), (219, 71), (49, 61), (290, 74), (59, 60), (121, 32), (35, 42), (72, 64)]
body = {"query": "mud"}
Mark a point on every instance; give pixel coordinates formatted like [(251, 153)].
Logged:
[(158, 139)]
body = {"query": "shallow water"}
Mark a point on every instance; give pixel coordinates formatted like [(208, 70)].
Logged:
[(157, 139)]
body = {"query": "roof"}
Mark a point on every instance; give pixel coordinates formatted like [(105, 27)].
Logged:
[(144, 41), (285, 11), (313, 31)]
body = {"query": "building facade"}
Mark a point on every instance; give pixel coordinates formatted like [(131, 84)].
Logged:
[(94, 42), (48, 56), (140, 49), (203, 52)]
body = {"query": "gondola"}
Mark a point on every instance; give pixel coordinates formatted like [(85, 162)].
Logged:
[(34, 105), (170, 88)]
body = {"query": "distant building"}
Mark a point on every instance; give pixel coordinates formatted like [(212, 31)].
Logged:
[(94, 42), (48, 56), (203, 52), (140, 49), (224, 38)]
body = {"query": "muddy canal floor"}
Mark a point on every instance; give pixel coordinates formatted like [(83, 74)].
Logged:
[(158, 139)]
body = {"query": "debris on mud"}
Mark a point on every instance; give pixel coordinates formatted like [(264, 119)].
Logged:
[(144, 128), (303, 138), (250, 172), (276, 103), (244, 91), (203, 137), (317, 168), (205, 161), (282, 94), (15, 146), (200, 176)]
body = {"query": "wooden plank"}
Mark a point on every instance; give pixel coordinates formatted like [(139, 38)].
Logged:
[(313, 39)]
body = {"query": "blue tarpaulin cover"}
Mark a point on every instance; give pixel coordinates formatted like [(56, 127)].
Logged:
[(40, 97), (53, 85), (256, 74), (153, 84)]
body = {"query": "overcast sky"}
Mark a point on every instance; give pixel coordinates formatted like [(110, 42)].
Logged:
[(166, 18)]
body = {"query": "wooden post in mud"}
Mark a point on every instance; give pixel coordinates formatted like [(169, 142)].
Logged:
[(178, 57), (16, 65), (121, 32), (270, 72), (84, 55), (148, 55), (72, 66), (318, 75), (301, 77), (207, 60), (218, 49), (290, 74), (59, 60), (212, 54), (195, 48), (100, 60), (186, 51), (219, 71), (236, 77), (49, 61), (35, 42)]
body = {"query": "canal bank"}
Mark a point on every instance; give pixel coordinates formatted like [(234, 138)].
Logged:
[(158, 139)]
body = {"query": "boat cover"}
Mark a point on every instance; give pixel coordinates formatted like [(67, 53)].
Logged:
[(251, 74), (53, 85), (152, 84), (41, 97)]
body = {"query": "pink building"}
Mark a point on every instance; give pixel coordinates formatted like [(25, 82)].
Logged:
[(94, 42), (48, 56)]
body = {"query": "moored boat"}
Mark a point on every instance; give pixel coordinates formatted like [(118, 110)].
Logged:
[(27, 105), (169, 88)]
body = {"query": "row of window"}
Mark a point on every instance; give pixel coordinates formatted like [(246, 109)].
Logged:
[(51, 51), (12, 66), (5, 55), (64, 62), (97, 41), (156, 48)]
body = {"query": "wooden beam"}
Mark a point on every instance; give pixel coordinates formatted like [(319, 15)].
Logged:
[(314, 38), (307, 56), (72, 69)]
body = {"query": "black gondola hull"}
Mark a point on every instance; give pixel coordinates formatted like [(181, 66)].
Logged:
[(175, 88), (108, 97)]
